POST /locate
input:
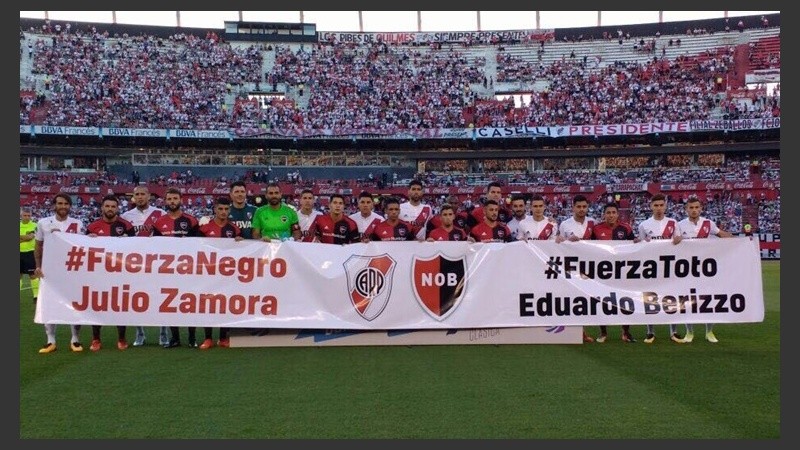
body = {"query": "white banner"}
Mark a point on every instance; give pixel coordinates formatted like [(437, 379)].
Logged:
[(413, 285), (473, 336), (763, 76)]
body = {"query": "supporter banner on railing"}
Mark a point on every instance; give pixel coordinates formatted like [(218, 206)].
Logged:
[(393, 285), (763, 76), (523, 131), (133, 132), (735, 125), (199, 134), (477, 37), (626, 187), (66, 130)]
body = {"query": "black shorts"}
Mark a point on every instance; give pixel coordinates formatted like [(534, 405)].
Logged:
[(27, 263)]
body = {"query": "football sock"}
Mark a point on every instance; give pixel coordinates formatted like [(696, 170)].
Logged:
[(95, 333), (75, 332), (35, 287), (50, 331)]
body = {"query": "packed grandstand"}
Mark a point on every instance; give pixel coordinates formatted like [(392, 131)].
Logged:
[(613, 113)]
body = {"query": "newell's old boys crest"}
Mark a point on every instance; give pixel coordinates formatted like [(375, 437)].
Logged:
[(439, 284), (369, 282)]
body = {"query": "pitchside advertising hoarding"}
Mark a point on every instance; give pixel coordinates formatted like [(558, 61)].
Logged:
[(397, 286)]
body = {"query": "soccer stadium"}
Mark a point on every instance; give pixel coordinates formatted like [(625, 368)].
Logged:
[(515, 133)]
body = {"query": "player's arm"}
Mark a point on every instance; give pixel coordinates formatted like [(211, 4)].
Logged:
[(89, 231), (256, 226), (507, 237), (560, 234), (724, 234), (629, 234), (677, 234), (237, 232), (194, 227), (354, 236), (38, 250), (642, 232), (297, 234), (472, 219), (429, 227)]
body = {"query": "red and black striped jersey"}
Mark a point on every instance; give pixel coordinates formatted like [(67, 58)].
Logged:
[(440, 234), (401, 231), (484, 233), (620, 232), (119, 227), (460, 221), (181, 226), (330, 231), (227, 230), (477, 215)]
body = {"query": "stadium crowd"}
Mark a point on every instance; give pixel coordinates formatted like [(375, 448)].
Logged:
[(93, 79)]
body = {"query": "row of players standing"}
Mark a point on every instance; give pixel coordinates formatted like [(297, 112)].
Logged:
[(145, 220), (492, 222), (410, 220)]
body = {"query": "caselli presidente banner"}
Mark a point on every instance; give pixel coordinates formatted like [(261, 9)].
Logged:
[(388, 285)]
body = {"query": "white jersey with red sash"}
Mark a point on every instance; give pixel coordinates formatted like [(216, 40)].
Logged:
[(533, 230), (143, 221), (571, 227), (702, 229), (418, 216), (665, 228), (305, 224), (366, 224), (513, 225)]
